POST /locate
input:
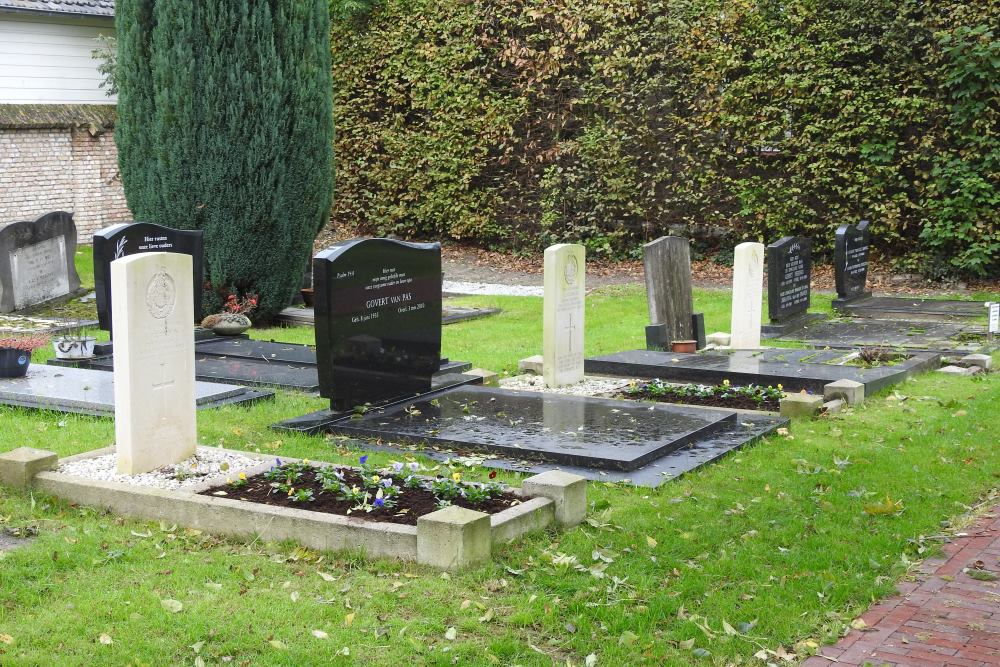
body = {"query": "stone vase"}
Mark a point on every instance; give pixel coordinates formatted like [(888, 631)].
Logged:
[(14, 362), (231, 324), (74, 348)]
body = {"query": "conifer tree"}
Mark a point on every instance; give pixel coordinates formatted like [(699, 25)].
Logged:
[(225, 124)]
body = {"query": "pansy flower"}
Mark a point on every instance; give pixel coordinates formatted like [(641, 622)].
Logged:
[(363, 459)]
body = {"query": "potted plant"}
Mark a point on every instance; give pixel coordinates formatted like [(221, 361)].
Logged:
[(15, 353), (73, 343), (233, 320)]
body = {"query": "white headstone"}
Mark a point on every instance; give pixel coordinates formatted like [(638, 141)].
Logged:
[(748, 291), (994, 318), (562, 336), (152, 311)]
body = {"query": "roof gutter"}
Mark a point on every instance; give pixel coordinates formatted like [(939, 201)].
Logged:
[(45, 12)]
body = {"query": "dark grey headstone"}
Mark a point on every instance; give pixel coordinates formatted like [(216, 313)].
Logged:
[(698, 330), (794, 369), (656, 337), (667, 266), (789, 266), (850, 260), (378, 320), (37, 261), (130, 238)]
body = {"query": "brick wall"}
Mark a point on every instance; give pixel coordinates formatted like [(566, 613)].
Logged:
[(61, 169)]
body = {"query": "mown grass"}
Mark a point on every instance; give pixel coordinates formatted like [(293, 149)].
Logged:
[(785, 541)]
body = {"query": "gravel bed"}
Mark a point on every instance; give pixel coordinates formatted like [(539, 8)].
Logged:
[(455, 287), (206, 462), (590, 386)]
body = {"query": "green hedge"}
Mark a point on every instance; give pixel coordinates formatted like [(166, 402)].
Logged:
[(523, 122)]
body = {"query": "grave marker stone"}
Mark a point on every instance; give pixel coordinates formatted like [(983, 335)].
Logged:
[(154, 361), (748, 291), (667, 268), (130, 238), (378, 320), (850, 261), (37, 261), (562, 348), (789, 269)]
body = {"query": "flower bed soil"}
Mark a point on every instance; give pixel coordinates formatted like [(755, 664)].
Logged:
[(731, 402), (411, 503)]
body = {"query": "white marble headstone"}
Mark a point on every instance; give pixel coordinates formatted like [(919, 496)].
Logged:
[(562, 348), (152, 310), (748, 291)]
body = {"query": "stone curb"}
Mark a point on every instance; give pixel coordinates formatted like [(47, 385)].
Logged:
[(446, 539)]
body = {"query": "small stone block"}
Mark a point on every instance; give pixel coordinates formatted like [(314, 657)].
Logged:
[(531, 365), (834, 406), (490, 379), (983, 361), (566, 490), (801, 405), (453, 538), (657, 337), (849, 390), (959, 370), (19, 466), (718, 338)]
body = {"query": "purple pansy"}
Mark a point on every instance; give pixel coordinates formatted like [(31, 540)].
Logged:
[(363, 459)]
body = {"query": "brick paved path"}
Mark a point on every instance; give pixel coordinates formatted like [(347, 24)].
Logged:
[(943, 619)]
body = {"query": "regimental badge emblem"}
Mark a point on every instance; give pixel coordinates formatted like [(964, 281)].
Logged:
[(570, 270), (161, 295)]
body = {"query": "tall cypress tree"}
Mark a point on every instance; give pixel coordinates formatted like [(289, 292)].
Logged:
[(225, 124)]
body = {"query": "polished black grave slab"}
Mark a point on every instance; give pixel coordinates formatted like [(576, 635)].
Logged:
[(795, 370), (917, 336), (914, 309), (250, 362), (595, 432)]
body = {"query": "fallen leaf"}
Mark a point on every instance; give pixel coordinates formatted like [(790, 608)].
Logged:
[(173, 606), (859, 624), (650, 541), (686, 645), (326, 577), (590, 660), (278, 644), (465, 604), (451, 633), (6, 639), (319, 634), (294, 596), (106, 639)]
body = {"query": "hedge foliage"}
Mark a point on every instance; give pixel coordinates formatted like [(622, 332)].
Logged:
[(517, 123), (225, 124)]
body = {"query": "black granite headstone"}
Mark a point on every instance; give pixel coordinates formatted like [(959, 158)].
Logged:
[(698, 330), (37, 261), (378, 320), (789, 264), (130, 238), (850, 260)]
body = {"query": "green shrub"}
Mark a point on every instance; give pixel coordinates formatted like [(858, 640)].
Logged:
[(225, 124), (523, 122)]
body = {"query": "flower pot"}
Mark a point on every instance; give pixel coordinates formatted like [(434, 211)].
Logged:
[(684, 346), (14, 362), (307, 296), (231, 324), (74, 348)]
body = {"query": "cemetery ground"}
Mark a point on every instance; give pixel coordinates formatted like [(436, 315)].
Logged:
[(773, 551)]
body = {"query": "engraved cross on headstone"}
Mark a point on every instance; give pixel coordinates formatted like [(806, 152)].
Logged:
[(570, 329), (161, 386)]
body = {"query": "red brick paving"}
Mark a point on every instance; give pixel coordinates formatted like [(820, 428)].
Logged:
[(943, 619)]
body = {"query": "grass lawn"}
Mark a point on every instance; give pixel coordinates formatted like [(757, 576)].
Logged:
[(779, 545)]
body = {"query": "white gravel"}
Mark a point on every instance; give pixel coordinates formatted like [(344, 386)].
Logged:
[(206, 462), (455, 287), (590, 386)]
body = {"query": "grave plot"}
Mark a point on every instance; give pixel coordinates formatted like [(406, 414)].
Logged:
[(91, 392), (851, 252), (943, 337), (386, 393), (795, 370)]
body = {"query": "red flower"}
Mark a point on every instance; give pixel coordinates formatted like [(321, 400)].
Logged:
[(493, 474)]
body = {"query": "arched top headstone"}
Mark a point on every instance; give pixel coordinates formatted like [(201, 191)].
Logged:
[(37, 261), (850, 259)]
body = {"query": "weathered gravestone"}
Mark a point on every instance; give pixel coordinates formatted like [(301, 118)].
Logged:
[(850, 262), (127, 239), (154, 361), (748, 291), (789, 268), (37, 261), (667, 268), (378, 320), (562, 324)]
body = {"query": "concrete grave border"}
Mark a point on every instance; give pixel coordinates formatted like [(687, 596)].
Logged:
[(446, 539)]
